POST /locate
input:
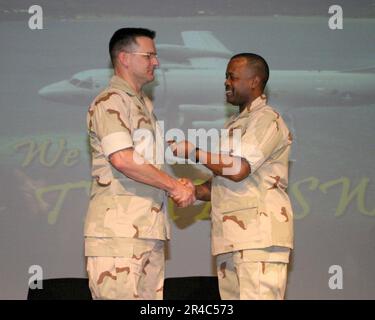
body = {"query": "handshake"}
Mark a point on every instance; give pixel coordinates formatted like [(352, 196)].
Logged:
[(183, 193)]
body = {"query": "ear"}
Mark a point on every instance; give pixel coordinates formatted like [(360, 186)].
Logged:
[(123, 58), (256, 81)]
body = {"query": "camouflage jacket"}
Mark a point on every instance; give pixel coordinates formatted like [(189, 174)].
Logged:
[(120, 207), (255, 212)]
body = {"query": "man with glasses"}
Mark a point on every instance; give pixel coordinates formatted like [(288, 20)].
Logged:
[(126, 224)]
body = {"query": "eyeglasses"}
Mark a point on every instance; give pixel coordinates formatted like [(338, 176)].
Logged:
[(149, 55)]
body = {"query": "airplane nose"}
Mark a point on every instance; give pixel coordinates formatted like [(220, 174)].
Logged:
[(53, 92), (58, 91), (43, 92)]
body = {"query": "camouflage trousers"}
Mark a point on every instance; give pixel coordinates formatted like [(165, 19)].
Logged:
[(241, 279), (139, 276)]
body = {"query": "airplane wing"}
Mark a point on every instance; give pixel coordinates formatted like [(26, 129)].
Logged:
[(203, 40), (211, 53), (209, 63), (197, 44), (361, 70)]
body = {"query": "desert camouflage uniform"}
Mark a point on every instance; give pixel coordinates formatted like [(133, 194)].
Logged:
[(125, 219), (252, 220)]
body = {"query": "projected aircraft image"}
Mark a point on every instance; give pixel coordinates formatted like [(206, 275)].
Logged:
[(189, 84)]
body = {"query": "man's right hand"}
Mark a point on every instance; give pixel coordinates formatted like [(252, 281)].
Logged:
[(183, 193)]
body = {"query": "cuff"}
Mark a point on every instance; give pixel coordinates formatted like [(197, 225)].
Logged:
[(116, 141), (193, 155)]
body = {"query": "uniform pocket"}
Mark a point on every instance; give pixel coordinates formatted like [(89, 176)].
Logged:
[(240, 220), (237, 204)]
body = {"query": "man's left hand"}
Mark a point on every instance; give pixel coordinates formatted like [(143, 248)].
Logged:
[(182, 149)]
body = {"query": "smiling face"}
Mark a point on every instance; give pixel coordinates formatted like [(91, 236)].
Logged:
[(239, 83)]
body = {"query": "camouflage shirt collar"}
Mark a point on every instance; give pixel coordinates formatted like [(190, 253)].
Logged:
[(257, 103), (119, 83)]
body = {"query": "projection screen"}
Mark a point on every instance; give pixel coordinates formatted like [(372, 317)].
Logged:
[(54, 60)]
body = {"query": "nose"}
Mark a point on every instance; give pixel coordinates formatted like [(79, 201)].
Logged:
[(155, 61)]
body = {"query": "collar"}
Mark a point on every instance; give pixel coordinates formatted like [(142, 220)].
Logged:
[(120, 83), (256, 104)]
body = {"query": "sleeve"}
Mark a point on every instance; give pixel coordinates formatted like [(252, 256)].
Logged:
[(111, 124), (259, 140)]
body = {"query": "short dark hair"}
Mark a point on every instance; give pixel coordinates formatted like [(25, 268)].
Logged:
[(256, 63), (126, 37)]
